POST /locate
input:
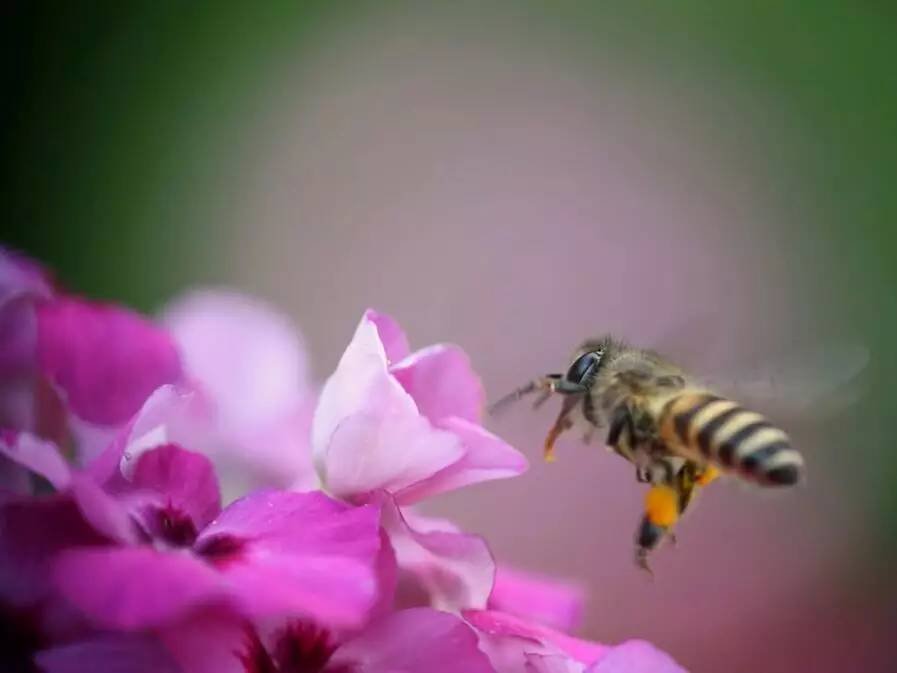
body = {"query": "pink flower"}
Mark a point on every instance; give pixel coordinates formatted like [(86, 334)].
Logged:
[(268, 553), (249, 362), (105, 361), (395, 427), (404, 423)]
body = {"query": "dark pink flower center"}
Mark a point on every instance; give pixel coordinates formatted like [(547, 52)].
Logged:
[(299, 647), (221, 550), (170, 526)]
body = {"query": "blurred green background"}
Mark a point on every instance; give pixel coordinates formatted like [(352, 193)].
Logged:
[(125, 126)]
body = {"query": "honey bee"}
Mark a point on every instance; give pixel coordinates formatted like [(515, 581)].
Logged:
[(679, 434)]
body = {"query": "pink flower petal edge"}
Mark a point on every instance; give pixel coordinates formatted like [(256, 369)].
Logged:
[(106, 359)]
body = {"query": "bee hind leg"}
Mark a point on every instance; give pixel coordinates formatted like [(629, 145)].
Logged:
[(661, 514)]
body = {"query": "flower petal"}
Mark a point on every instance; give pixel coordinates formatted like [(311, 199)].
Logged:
[(185, 478), (551, 663), (299, 552), (456, 569), (107, 515), (501, 625), (485, 457), (635, 656), (395, 343), (419, 640), (389, 451), (360, 381), (137, 587), (119, 653), (171, 415), (248, 356), (442, 383), (32, 532), (36, 455), (106, 359), (540, 599)]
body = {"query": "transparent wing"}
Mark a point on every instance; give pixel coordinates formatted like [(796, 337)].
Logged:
[(809, 381)]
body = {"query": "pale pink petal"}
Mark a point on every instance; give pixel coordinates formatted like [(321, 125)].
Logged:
[(546, 600), (485, 457), (277, 453), (551, 663), (395, 343), (504, 626), (635, 656), (455, 569), (419, 640), (36, 455), (172, 415), (247, 355), (118, 653), (186, 480), (359, 383), (106, 359), (442, 383), (137, 587), (389, 450)]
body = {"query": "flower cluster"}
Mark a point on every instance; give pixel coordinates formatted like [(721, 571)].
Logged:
[(176, 496)]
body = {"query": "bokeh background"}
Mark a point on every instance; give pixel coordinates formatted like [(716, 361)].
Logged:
[(512, 177)]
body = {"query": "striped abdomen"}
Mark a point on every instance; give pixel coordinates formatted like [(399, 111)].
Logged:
[(716, 430)]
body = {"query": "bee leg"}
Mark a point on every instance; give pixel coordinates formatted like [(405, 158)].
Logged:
[(587, 436), (661, 513), (562, 423), (541, 399), (550, 383)]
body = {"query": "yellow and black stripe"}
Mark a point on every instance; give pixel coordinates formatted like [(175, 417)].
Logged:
[(720, 432)]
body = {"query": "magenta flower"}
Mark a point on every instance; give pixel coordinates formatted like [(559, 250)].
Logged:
[(249, 362), (394, 428), (268, 553), (105, 361)]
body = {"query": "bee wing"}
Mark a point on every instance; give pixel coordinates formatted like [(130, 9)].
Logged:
[(814, 381)]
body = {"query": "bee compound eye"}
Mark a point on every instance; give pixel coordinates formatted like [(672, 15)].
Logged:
[(582, 367)]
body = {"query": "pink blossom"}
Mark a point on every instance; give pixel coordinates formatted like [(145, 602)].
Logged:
[(268, 553), (397, 427), (249, 361)]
